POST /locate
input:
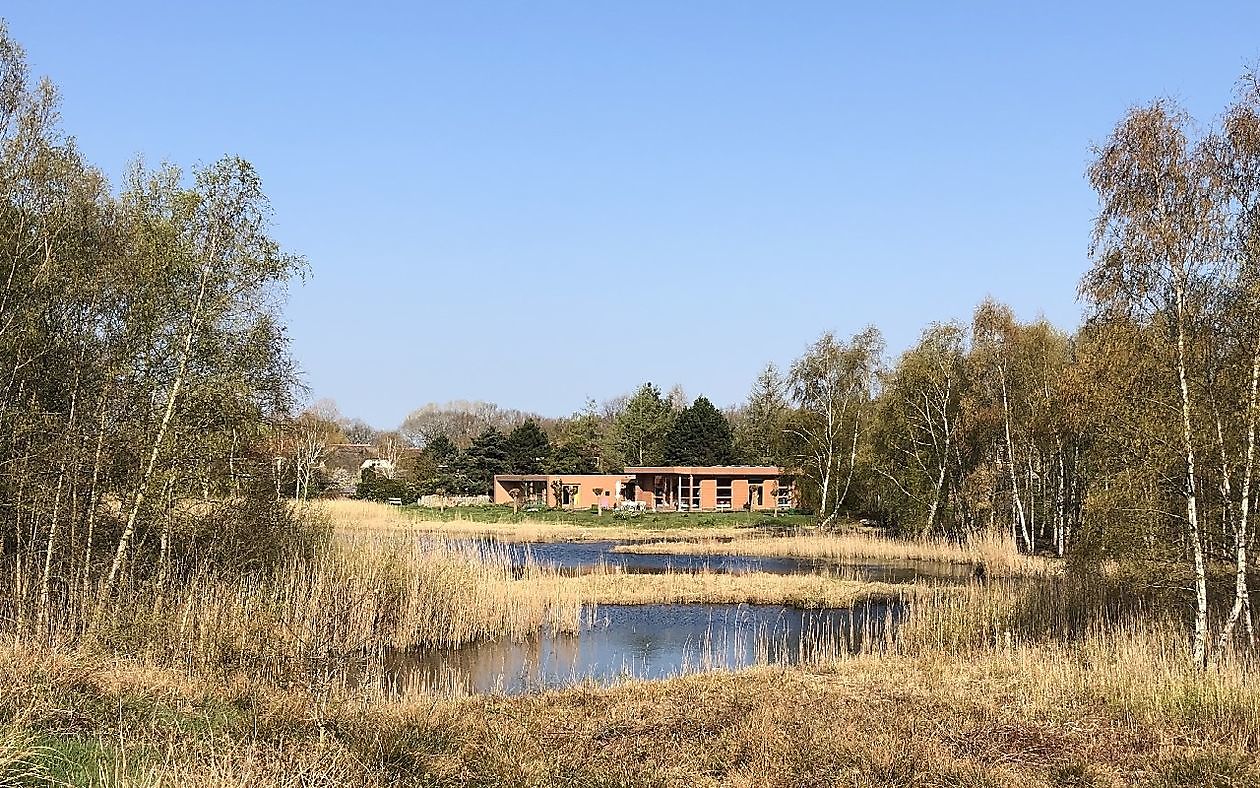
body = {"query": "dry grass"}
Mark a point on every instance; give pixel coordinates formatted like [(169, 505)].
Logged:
[(368, 517), (754, 588), (1028, 682), (1088, 714), (350, 515), (997, 554), (340, 608)]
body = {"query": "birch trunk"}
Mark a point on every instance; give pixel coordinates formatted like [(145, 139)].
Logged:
[(1242, 598), (124, 541), (1199, 648), (1010, 457)]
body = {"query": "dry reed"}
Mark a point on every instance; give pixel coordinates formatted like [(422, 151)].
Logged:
[(368, 517), (610, 587), (997, 554), (342, 606)]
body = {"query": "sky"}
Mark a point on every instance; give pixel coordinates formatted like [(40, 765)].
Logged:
[(533, 203)]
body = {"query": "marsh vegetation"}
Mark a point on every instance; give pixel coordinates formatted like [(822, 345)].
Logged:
[(1059, 593)]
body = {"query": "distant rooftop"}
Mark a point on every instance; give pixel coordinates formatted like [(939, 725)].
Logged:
[(708, 470)]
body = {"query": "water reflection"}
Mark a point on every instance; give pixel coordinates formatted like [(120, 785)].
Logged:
[(577, 557), (644, 642)]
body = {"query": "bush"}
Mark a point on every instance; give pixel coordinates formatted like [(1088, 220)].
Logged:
[(379, 487), (249, 534)]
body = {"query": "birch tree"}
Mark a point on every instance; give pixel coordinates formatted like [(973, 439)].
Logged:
[(1237, 155), (917, 442), (832, 388), (1153, 247)]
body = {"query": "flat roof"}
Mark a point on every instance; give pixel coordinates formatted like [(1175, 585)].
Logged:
[(542, 477), (708, 470)]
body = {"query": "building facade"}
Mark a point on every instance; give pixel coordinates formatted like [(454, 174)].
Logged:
[(668, 488)]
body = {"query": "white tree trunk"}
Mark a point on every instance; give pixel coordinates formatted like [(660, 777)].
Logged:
[(124, 540), (1242, 598), (1199, 647)]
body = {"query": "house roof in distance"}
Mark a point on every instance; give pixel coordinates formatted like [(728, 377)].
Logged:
[(708, 470)]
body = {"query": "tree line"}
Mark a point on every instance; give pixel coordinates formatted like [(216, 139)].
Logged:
[(147, 395), (144, 370), (1132, 437)]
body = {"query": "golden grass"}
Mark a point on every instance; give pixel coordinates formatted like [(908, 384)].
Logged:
[(340, 608), (754, 588), (362, 517), (1097, 713), (997, 554), (235, 682)]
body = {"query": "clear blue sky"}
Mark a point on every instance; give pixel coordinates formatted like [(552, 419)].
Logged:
[(535, 202)]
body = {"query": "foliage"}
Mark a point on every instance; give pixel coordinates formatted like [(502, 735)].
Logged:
[(484, 459), (832, 388), (528, 449), (642, 426), (376, 486), (144, 365), (699, 435), (760, 423)]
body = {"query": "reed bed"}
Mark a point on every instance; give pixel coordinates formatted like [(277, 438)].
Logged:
[(368, 517), (1064, 643), (996, 553), (1031, 680), (610, 587), (340, 607), (1125, 710)]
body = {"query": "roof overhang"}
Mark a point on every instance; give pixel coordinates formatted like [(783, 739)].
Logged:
[(705, 470)]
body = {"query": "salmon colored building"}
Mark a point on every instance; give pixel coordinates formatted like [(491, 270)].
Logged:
[(667, 488)]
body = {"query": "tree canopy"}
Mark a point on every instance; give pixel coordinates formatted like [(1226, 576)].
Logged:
[(699, 435)]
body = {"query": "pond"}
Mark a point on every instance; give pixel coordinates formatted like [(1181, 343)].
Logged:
[(577, 557), (644, 642)]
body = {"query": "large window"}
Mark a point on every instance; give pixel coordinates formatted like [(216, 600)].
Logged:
[(783, 498), (688, 494), (536, 491), (723, 493), (755, 494)]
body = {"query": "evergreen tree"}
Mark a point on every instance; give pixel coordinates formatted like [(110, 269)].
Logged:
[(759, 436), (436, 467), (528, 448), (700, 435), (642, 426), (485, 458), (569, 458)]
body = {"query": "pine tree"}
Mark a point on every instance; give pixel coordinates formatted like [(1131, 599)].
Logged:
[(700, 435), (528, 449), (759, 438), (485, 458), (642, 426)]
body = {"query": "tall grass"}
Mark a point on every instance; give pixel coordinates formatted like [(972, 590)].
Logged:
[(334, 604), (608, 586), (996, 553), (352, 600), (1062, 642)]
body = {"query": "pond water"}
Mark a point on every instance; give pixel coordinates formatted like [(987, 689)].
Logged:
[(577, 557), (644, 642)]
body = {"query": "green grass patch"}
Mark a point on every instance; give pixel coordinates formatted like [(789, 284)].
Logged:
[(589, 517)]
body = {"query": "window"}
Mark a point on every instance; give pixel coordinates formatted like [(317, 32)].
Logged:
[(783, 496), (755, 496), (724, 493), (535, 492), (688, 493)]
